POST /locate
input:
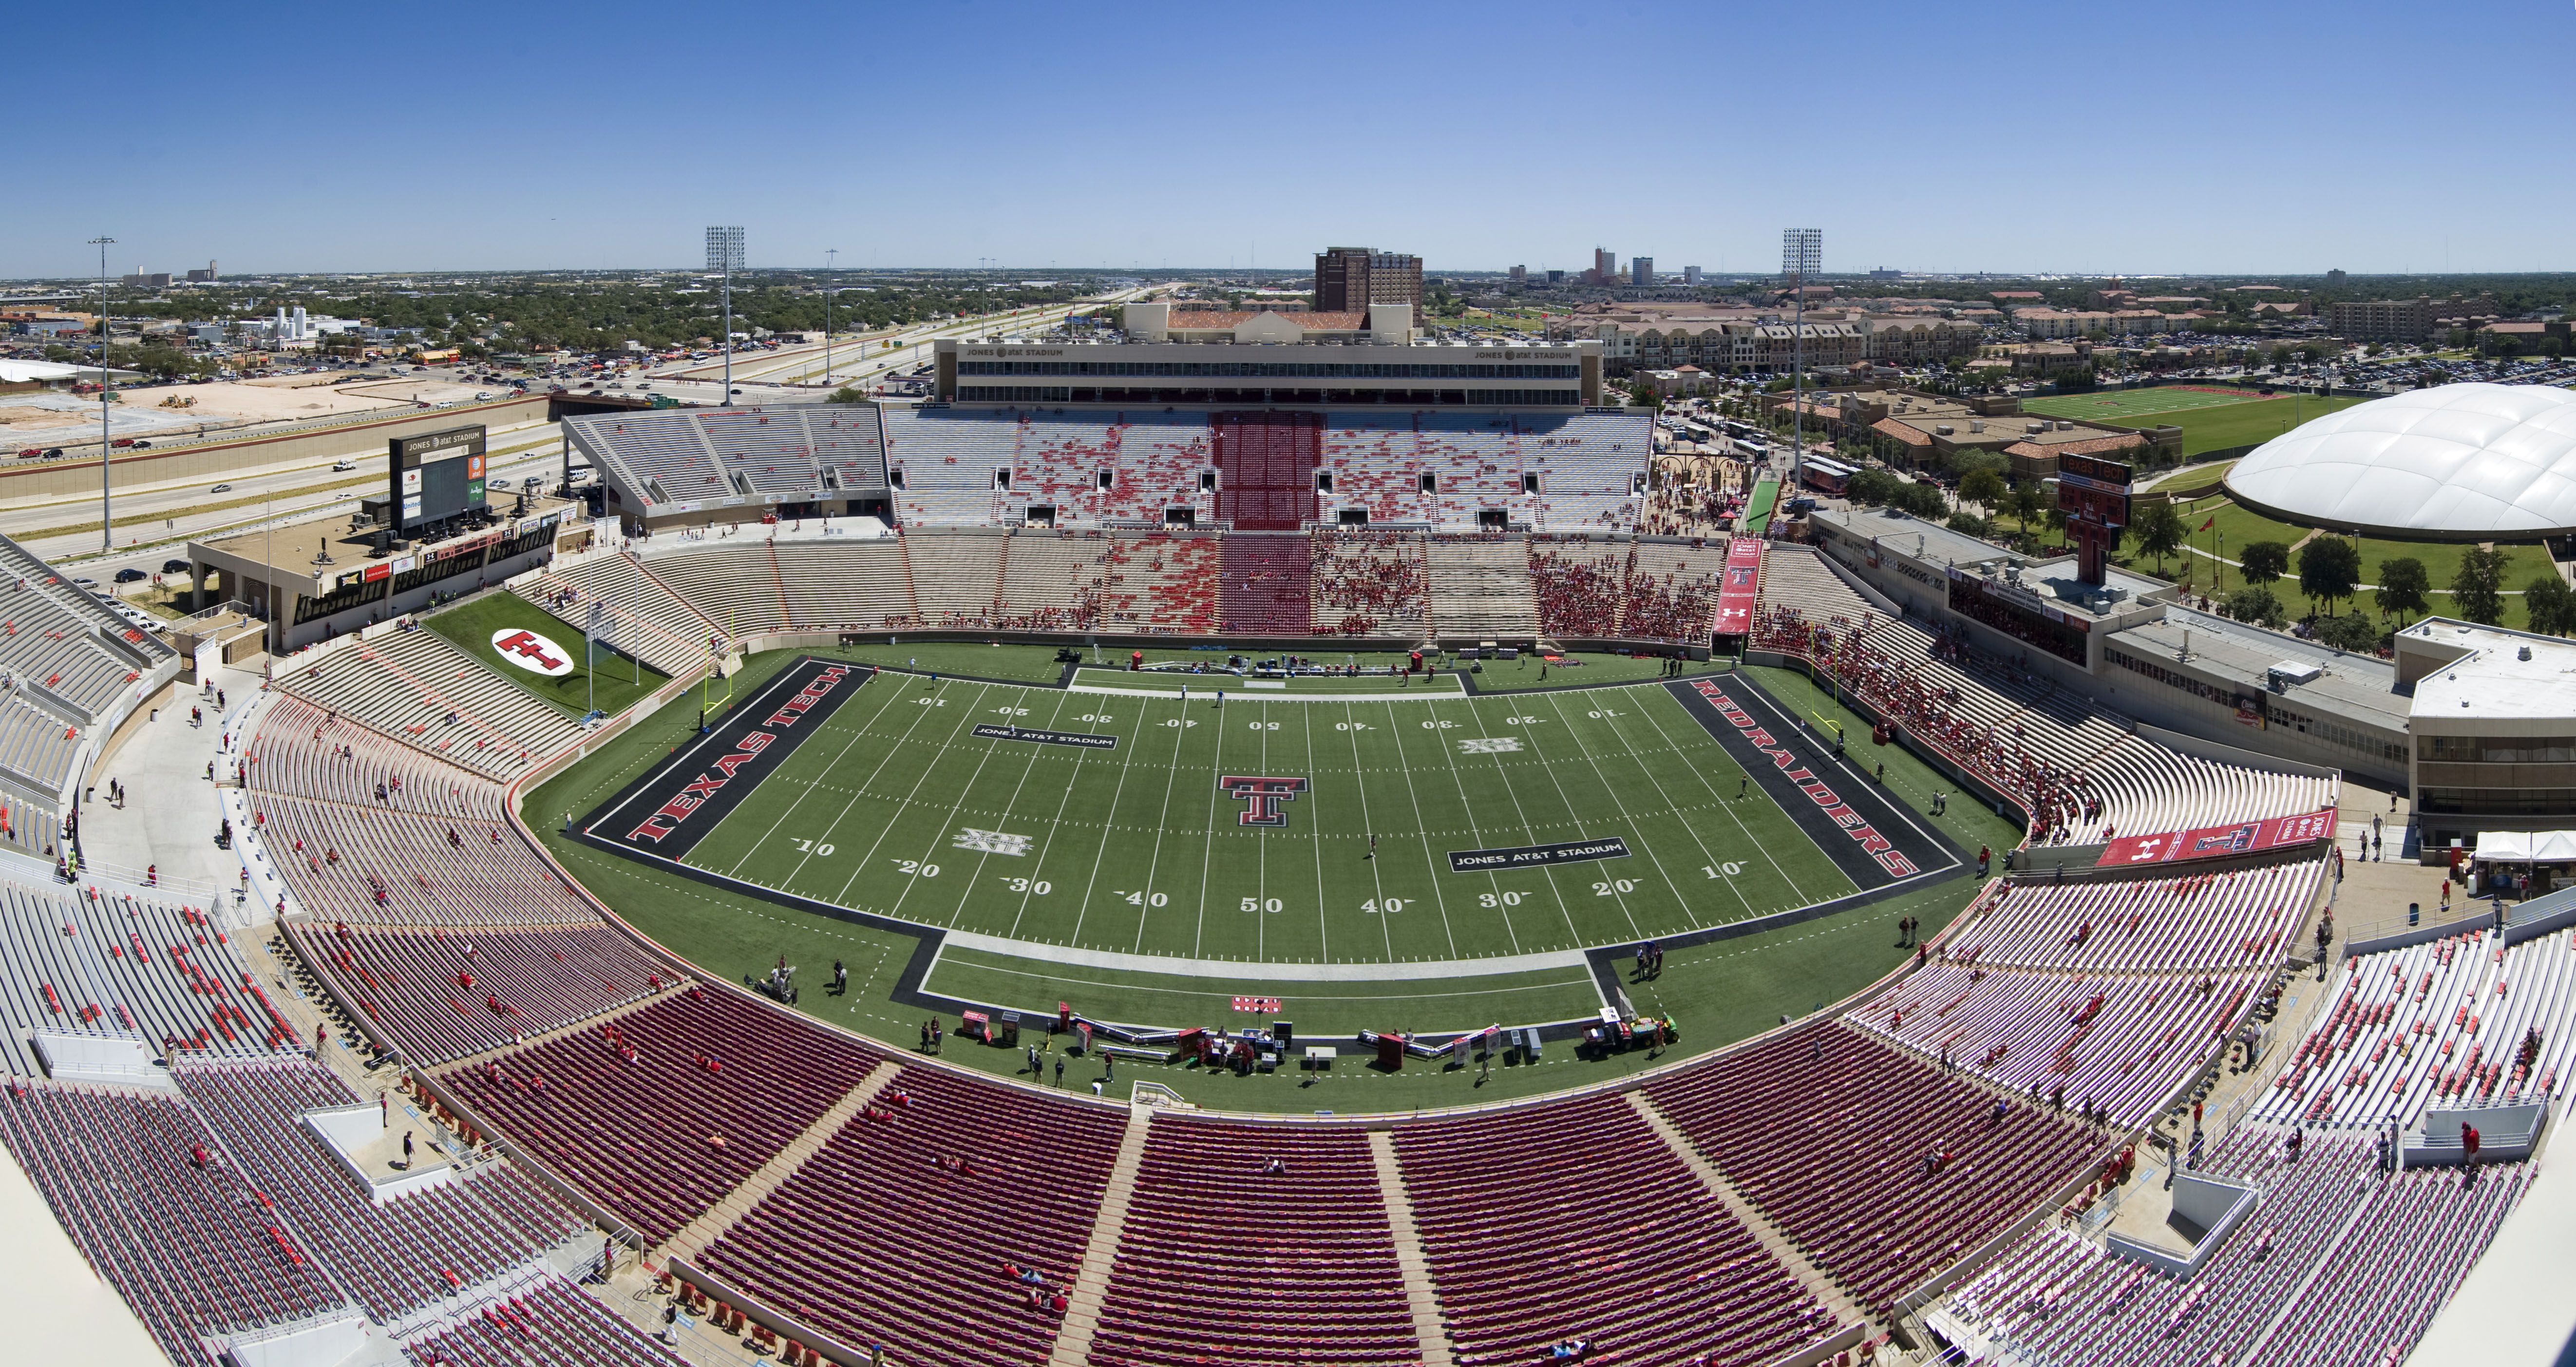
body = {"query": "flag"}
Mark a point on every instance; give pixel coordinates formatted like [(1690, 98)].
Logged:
[(602, 626), (2212, 522)]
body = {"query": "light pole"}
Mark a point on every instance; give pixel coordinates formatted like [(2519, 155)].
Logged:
[(1802, 253), (106, 524), (828, 254), (724, 252)]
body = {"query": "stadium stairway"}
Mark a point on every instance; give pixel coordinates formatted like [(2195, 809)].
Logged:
[(1430, 1321), (1090, 1289), (739, 1203), (1823, 1287)]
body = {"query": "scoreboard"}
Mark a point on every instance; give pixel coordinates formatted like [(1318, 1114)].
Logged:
[(437, 477), (2094, 495)]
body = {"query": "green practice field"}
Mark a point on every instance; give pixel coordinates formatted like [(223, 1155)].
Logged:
[(2121, 405), (896, 807), (1171, 684), (621, 679)]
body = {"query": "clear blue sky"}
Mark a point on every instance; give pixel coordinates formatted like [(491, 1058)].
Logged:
[(2138, 137)]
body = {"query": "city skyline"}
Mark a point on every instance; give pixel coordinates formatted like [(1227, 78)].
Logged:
[(2017, 140)]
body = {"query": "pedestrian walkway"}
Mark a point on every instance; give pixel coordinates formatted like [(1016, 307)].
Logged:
[(1090, 1282), (739, 1203), (1430, 1321), (170, 814)]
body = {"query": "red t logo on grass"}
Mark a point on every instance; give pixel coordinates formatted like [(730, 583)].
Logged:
[(1264, 795), (534, 652)]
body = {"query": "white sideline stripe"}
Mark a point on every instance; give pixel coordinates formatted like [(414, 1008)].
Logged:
[(1247, 972), (1417, 695)]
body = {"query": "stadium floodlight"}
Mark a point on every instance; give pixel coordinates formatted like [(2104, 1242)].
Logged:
[(1802, 254), (831, 257), (724, 253), (106, 521)]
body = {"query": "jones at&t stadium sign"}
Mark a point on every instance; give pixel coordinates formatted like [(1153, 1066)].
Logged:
[(532, 652)]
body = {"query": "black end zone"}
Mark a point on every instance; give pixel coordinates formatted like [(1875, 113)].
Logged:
[(668, 811)]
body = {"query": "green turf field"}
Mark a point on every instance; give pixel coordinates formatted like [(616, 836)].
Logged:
[(1140, 850), (1173, 684), (2122, 405), (621, 679), (1718, 991)]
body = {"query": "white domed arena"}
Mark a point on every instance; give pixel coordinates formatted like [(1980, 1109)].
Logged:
[(2461, 462)]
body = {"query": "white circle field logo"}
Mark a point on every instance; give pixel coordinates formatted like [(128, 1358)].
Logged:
[(532, 652)]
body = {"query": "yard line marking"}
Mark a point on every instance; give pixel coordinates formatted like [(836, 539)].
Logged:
[(826, 833), (1724, 805), (1153, 866), (843, 896), (1110, 815), (1427, 859), (1377, 883), (1632, 832), (799, 799), (1529, 832), (1207, 844), (940, 832), (980, 864), (1558, 702), (1315, 841), (1056, 826)]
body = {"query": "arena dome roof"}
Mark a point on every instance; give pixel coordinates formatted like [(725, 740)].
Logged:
[(2461, 462)]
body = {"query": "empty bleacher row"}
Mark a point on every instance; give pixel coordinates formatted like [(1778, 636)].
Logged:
[(192, 1248), (393, 1258), (547, 1323), (88, 962), (1480, 587), (648, 621), (881, 1238), (2238, 918), (987, 467), (449, 993), (2077, 769), (2462, 1021), (1573, 1220), (843, 582), (733, 581), (796, 452), (1052, 580), (956, 574), (2371, 1255), (1307, 1250), (56, 636), (1880, 1167), (304, 751), (36, 745), (419, 689), (714, 1088)]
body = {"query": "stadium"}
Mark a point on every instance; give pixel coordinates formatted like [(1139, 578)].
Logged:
[(1025, 879)]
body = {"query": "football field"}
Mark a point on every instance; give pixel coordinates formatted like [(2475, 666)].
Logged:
[(1306, 835), (2121, 405)]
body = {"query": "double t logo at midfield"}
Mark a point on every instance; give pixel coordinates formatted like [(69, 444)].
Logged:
[(1264, 795)]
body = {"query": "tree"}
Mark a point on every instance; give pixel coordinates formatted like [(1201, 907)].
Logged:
[(2030, 502), (2352, 631), (1983, 488), (2257, 605), (2403, 586), (2550, 605), (2159, 531), (846, 394), (2477, 591), (2329, 568)]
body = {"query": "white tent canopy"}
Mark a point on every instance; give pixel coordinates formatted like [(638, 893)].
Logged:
[(2527, 847)]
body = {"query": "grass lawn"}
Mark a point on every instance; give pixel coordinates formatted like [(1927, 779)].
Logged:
[(472, 625), (1575, 768), (2123, 405), (1173, 685), (2201, 480), (2526, 561)]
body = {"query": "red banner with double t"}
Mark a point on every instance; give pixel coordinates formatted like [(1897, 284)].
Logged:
[(2211, 842), (1735, 592)]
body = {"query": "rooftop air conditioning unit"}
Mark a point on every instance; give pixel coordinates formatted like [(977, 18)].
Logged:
[(2034, 428), (2289, 672), (1942, 428), (1976, 427)]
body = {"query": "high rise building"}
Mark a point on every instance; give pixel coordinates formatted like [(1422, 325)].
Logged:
[(1641, 272), (1520, 275), (1690, 276), (1605, 268), (205, 276), (2334, 278), (1349, 279)]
